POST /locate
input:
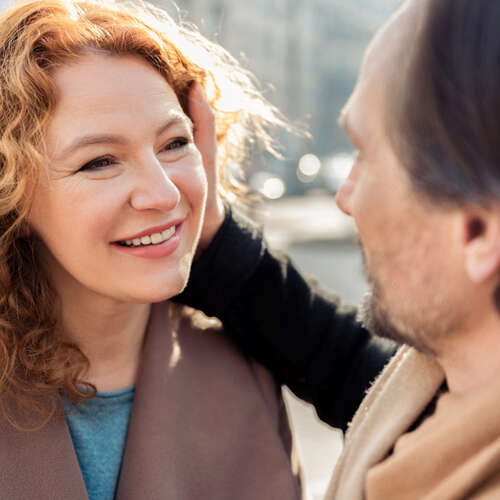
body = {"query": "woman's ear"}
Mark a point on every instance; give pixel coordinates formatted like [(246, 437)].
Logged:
[(481, 238)]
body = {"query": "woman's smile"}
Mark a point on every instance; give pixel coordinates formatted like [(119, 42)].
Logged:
[(152, 245)]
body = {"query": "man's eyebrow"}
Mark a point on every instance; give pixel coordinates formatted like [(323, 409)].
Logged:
[(88, 140)]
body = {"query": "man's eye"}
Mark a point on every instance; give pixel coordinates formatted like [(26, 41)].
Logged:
[(98, 164), (177, 143)]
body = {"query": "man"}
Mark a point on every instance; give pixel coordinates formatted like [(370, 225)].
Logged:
[(425, 196), (424, 118)]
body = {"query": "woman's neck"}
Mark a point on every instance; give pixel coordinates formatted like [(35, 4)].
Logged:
[(111, 335)]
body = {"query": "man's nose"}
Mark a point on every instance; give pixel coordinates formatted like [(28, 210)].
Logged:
[(154, 188)]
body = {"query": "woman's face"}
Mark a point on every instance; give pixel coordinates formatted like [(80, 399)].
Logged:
[(120, 212)]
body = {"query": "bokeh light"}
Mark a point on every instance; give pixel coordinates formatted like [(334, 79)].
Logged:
[(308, 168)]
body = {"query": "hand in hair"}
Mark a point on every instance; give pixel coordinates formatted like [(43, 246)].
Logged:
[(204, 137)]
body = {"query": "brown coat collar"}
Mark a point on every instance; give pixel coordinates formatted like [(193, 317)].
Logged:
[(205, 423)]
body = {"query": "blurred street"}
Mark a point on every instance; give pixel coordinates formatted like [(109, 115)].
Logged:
[(322, 242)]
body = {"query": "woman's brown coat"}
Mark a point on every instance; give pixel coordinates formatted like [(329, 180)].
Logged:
[(206, 423)]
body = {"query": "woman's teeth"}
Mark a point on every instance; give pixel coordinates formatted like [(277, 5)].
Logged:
[(152, 239)]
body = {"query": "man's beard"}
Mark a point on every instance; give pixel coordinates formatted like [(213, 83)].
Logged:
[(378, 320)]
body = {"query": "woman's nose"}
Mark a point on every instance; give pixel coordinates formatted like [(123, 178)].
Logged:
[(154, 188)]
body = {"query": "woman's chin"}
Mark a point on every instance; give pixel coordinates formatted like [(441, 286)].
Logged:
[(162, 291)]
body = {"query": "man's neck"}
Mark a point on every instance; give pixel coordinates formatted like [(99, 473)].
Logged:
[(472, 359)]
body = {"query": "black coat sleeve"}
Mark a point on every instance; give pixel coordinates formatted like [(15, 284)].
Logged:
[(286, 321)]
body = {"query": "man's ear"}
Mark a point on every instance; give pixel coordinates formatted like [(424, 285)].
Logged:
[(481, 238)]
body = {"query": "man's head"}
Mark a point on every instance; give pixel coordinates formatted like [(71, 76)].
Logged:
[(425, 188)]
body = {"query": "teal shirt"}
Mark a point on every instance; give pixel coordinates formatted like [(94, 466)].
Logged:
[(98, 429)]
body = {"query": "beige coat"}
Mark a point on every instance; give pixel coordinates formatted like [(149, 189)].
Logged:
[(206, 424), (395, 400), (453, 454)]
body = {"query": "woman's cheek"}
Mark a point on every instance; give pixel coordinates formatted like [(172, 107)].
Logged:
[(192, 181)]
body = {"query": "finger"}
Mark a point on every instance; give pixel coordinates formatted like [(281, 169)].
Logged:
[(203, 119)]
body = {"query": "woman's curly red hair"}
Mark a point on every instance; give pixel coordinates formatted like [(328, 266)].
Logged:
[(36, 363)]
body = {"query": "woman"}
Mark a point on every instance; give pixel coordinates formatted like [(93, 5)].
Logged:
[(106, 391)]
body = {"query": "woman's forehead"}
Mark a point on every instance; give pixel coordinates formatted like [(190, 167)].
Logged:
[(109, 100), (107, 74)]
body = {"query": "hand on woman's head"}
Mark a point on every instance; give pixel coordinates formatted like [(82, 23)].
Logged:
[(203, 119)]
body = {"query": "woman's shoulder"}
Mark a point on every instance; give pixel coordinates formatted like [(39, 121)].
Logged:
[(195, 332), (206, 335)]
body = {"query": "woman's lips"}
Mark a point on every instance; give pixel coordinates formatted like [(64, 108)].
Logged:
[(153, 251)]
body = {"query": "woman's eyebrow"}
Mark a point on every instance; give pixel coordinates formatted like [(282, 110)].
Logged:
[(88, 140), (175, 118)]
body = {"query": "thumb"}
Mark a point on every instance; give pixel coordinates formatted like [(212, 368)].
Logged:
[(203, 119)]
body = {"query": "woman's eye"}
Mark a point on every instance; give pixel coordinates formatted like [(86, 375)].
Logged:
[(176, 143), (98, 164)]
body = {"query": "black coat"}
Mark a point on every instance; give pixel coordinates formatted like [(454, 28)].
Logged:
[(286, 321)]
